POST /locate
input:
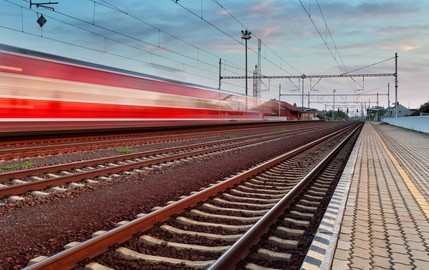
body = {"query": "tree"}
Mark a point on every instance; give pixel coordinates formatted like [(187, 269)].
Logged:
[(425, 104), (339, 115)]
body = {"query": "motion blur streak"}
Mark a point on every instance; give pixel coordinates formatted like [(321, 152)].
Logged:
[(42, 92)]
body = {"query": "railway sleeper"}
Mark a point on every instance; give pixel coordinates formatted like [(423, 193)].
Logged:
[(225, 217), (297, 222), (236, 198), (253, 184), (313, 197), (273, 255), (309, 203), (264, 205), (260, 195), (188, 222), (307, 208), (270, 183), (227, 238), (149, 240), (321, 185), (239, 210), (282, 242), (134, 255), (262, 190), (283, 230), (311, 191), (319, 189), (297, 214)]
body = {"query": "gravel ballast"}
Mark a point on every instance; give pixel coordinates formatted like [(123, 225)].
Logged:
[(44, 225)]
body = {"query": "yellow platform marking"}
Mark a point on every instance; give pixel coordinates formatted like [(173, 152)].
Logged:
[(415, 192)]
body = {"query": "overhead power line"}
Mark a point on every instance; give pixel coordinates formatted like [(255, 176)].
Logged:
[(321, 36), (120, 41), (199, 16), (268, 47)]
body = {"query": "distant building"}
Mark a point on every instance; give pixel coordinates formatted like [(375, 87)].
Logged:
[(375, 113), (402, 111), (424, 110), (283, 109), (308, 114)]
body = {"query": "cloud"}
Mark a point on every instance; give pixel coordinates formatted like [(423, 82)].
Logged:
[(262, 8), (401, 48)]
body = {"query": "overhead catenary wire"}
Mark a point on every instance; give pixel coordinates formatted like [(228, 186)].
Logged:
[(93, 24), (330, 35), (156, 46), (225, 33), (268, 47), (321, 36), (105, 3)]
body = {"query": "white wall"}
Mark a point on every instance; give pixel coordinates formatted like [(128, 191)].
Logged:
[(418, 123)]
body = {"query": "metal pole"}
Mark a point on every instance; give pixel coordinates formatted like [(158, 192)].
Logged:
[(396, 84), (333, 106), (246, 35), (302, 97), (388, 98), (308, 101), (280, 87), (220, 75), (245, 41)]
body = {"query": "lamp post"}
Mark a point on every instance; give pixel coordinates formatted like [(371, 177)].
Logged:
[(245, 34)]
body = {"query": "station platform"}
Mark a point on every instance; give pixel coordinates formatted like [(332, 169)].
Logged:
[(379, 215)]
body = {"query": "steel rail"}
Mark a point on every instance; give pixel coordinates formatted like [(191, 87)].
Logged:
[(58, 148), (79, 164), (61, 180), (69, 258), (110, 141), (240, 249)]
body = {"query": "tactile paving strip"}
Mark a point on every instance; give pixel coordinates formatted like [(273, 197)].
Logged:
[(320, 253)]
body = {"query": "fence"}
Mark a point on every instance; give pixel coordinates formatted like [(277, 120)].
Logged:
[(418, 123)]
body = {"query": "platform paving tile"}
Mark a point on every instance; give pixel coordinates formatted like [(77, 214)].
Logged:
[(379, 243), (361, 244), (361, 252), (380, 262), (380, 251), (378, 228), (360, 263), (413, 236), (342, 254), (386, 222), (378, 235), (401, 266), (361, 236), (420, 255), (344, 245), (418, 246), (419, 264), (394, 235), (398, 248), (412, 149), (345, 237), (338, 264), (396, 240)]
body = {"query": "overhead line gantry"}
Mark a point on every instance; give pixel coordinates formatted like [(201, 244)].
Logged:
[(303, 76)]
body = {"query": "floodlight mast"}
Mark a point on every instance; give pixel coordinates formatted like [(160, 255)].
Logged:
[(246, 35)]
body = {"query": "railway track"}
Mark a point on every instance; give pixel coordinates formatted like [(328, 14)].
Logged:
[(211, 228), (58, 178), (52, 146)]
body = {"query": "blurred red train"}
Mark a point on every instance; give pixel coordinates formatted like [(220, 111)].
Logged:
[(43, 92)]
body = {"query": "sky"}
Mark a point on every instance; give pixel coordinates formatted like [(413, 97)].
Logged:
[(185, 39)]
